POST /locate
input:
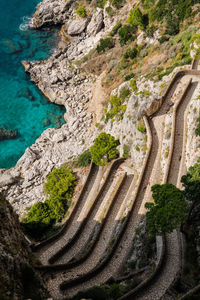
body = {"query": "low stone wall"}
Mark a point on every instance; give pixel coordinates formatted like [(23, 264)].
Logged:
[(83, 257), (58, 254)]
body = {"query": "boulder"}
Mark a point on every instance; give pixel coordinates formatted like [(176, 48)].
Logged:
[(77, 26), (96, 23), (6, 134)]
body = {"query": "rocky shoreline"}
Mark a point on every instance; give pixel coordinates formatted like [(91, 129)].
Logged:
[(62, 82)]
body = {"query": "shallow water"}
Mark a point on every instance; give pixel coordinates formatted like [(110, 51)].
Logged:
[(22, 106)]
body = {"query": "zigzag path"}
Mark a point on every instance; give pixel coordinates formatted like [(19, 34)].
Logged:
[(172, 260)]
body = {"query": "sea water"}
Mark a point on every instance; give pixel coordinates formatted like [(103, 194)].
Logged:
[(22, 106)]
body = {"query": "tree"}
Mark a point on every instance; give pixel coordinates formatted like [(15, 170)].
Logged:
[(135, 18), (191, 184), (168, 211), (60, 183), (104, 149)]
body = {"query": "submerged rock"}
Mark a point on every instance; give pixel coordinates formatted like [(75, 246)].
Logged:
[(26, 93), (6, 134)]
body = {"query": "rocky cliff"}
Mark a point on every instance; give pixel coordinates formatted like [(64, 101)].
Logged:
[(18, 279)]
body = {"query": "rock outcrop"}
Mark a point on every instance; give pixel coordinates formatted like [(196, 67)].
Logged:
[(18, 279), (77, 26), (6, 134)]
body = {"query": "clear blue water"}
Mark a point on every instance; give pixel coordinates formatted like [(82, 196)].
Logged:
[(22, 106)]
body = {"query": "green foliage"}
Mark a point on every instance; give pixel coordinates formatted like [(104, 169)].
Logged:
[(150, 30), (136, 18), (117, 108), (141, 128), (115, 29), (133, 85), (59, 187), (105, 44), (84, 159), (126, 33), (104, 149), (117, 3), (126, 151), (100, 3), (81, 12), (124, 93), (60, 183), (163, 39), (129, 76), (110, 11), (197, 130), (191, 183), (163, 9), (168, 211), (131, 53)]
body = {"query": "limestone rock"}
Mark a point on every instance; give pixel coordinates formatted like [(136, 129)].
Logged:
[(96, 23), (77, 26), (6, 179)]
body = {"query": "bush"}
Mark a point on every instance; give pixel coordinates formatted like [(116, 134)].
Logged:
[(105, 44), (131, 53), (197, 130), (104, 149), (124, 93), (141, 128), (117, 3), (60, 187), (81, 12), (126, 33), (135, 18), (115, 29), (133, 85), (129, 76), (84, 159), (100, 3), (117, 108), (150, 30), (126, 151)]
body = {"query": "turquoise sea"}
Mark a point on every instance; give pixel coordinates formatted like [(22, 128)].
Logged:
[(22, 106)]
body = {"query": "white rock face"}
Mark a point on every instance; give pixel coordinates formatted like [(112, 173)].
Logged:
[(96, 23), (77, 26), (51, 12)]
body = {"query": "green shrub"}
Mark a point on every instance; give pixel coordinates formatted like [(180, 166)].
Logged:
[(150, 30), (81, 12), (197, 130), (84, 159), (104, 149), (105, 44), (115, 29), (60, 188), (126, 33), (141, 128), (117, 108), (131, 53), (133, 85), (129, 76), (124, 93), (100, 3), (135, 18), (126, 151), (163, 39), (110, 11), (117, 3)]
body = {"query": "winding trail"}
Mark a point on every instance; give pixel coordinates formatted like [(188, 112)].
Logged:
[(171, 265), (48, 250)]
